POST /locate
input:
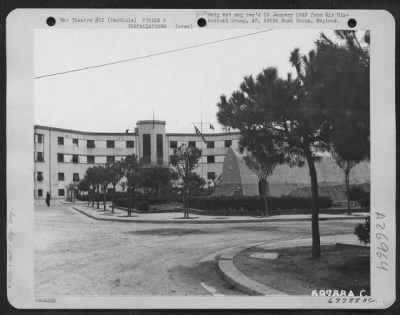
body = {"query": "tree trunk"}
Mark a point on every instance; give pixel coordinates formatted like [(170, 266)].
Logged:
[(347, 181), (187, 204), (104, 197), (112, 201), (316, 243), (98, 196), (88, 198), (129, 201), (92, 196), (264, 193), (266, 208), (184, 203), (134, 197)]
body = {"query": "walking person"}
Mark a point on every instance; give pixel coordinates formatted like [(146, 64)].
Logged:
[(48, 199)]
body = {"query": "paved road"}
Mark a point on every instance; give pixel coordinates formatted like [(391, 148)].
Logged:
[(76, 255)]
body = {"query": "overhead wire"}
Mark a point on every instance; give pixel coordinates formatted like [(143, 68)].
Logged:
[(151, 55)]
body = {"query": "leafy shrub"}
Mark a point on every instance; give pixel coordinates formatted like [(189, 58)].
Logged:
[(243, 203), (122, 202), (362, 230), (151, 199), (108, 196), (142, 205)]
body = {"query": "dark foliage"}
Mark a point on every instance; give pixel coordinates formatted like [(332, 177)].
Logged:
[(297, 116), (123, 201), (255, 203), (362, 230), (84, 197), (142, 205), (158, 179), (357, 193)]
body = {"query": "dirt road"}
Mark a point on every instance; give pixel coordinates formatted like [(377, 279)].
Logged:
[(76, 255)]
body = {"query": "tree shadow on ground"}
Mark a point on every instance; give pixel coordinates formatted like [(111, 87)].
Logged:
[(182, 218), (170, 232)]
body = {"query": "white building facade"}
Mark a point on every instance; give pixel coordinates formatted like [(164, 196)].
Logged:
[(62, 156)]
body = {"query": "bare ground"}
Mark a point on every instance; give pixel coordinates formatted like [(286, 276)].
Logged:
[(76, 255), (295, 272)]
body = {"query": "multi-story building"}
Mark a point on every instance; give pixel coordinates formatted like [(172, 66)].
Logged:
[(62, 156)]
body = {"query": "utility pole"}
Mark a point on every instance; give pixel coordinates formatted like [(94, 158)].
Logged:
[(49, 158), (201, 123)]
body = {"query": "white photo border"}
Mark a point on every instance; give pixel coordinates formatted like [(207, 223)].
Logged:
[(21, 24)]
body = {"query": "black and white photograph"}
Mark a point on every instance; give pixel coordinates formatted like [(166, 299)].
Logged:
[(197, 161)]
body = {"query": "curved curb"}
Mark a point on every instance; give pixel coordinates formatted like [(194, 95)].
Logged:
[(239, 280), (97, 218), (209, 221)]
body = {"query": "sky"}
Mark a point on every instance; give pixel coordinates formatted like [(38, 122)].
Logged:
[(181, 88)]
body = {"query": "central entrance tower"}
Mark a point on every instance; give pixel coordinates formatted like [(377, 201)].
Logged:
[(152, 143)]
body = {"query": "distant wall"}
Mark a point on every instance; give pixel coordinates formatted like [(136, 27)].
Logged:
[(237, 178)]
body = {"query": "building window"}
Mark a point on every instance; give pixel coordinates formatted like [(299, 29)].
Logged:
[(130, 144), (40, 192), (90, 144), (110, 144), (110, 159), (146, 148), (228, 143), (192, 144), (173, 144), (39, 176), (60, 177), (60, 157), (75, 142), (90, 159), (211, 175), (61, 192), (210, 159), (61, 140), (39, 138), (39, 156), (75, 158), (75, 177), (210, 144), (159, 148)]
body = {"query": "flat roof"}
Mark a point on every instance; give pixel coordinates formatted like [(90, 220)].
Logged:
[(86, 132), (133, 133), (143, 122), (204, 134)]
